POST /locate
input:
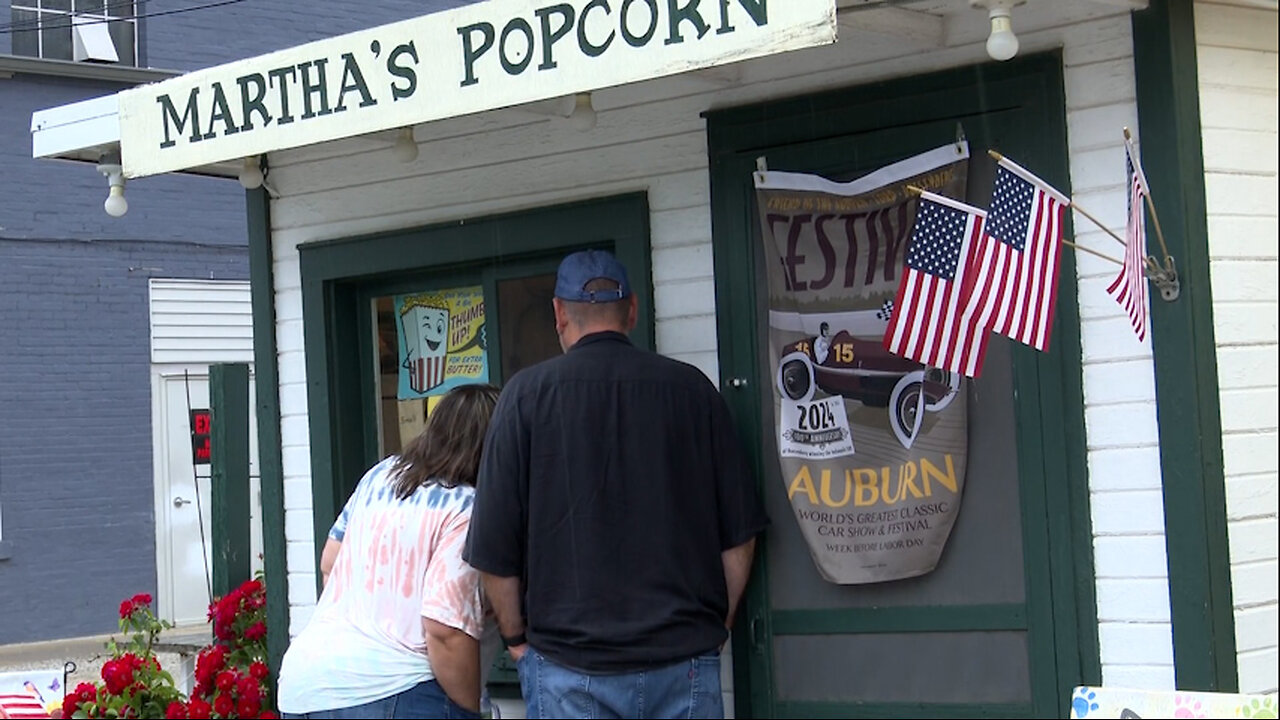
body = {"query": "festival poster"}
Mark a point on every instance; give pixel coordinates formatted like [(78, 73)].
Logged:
[(441, 341), (872, 446)]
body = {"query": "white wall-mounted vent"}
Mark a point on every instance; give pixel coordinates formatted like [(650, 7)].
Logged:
[(91, 42), (200, 321)]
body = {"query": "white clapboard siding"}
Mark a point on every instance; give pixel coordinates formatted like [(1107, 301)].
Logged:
[(650, 137), (1236, 50), (200, 321)]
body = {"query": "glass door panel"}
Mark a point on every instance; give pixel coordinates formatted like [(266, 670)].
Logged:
[(433, 331), (527, 330)]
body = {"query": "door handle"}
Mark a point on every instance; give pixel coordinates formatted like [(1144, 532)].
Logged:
[(180, 501)]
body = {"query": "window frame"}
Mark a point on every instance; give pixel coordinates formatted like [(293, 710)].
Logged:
[(111, 12)]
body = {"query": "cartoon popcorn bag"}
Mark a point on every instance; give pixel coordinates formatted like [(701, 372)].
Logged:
[(424, 321)]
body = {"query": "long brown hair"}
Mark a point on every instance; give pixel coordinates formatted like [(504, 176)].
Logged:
[(447, 451)]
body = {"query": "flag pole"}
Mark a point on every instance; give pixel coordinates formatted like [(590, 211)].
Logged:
[(1095, 253), (998, 157), (1095, 221), (1155, 219), (917, 191)]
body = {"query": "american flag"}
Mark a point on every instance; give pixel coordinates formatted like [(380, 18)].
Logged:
[(1130, 287), (21, 705), (1016, 279), (931, 323)]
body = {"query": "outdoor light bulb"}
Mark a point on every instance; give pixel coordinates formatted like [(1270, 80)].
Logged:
[(115, 204), (251, 173), (1002, 44), (583, 116), (405, 149)]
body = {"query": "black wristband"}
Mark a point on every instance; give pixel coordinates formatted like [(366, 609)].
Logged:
[(514, 640)]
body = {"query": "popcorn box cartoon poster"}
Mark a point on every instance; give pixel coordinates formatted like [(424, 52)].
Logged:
[(441, 341)]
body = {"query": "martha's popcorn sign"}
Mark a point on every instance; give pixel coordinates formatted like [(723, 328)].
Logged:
[(441, 341)]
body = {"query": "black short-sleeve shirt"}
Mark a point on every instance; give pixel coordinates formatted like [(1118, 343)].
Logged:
[(611, 482)]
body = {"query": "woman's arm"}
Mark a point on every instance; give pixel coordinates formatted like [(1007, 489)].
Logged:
[(455, 661), (327, 558)]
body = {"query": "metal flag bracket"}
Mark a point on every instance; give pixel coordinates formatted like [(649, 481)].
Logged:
[(1165, 277)]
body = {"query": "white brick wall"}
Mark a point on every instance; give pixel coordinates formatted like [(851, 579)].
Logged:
[(1237, 50), (1119, 381), (650, 137)]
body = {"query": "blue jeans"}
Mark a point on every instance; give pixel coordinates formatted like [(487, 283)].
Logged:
[(424, 700), (686, 689)]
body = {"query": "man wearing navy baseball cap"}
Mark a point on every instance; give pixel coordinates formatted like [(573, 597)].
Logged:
[(615, 516)]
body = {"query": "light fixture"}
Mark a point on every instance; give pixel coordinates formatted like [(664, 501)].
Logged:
[(405, 148), (115, 204), (583, 116), (1002, 44), (251, 173)]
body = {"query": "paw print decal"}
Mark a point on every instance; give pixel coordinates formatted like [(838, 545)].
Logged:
[(1259, 708), (1082, 703), (1186, 706)]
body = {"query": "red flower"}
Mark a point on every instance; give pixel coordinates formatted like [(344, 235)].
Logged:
[(198, 708), (248, 687), (256, 631), (209, 663), (126, 609), (227, 613), (248, 707), (69, 704), (224, 705), (117, 675), (268, 714), (86, 692), (176, 710), (226, 680), (259, 670), (142, 599)]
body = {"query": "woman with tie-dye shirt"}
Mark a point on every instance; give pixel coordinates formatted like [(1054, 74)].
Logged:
[(399, 628)]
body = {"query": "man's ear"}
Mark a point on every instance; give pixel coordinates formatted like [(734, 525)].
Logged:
[(562, 317), (633, 312)]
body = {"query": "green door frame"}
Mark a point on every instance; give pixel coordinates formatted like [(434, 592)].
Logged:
[(1049, 390), (1185, 353), (334, 273)]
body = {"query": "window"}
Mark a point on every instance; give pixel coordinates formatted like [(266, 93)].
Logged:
[(84, 30)]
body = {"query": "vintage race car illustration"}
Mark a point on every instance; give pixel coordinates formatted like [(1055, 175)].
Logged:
[(861, 369)]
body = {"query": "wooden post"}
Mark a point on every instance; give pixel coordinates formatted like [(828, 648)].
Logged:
[(229, 406)]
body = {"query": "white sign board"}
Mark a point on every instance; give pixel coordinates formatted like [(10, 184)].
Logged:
[(474, 58), (817, 430)]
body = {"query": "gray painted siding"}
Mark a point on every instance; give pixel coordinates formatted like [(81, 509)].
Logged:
[(187, 41), (47, 199), (75, 432), (76, 472)]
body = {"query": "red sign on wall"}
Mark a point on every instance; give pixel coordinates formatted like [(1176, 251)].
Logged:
[(201, 424)]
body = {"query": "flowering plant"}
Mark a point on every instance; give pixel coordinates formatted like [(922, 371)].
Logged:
[(133, 683), (231, 673)]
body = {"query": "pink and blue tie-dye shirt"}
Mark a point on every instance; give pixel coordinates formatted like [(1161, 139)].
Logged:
[(401, 561)]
